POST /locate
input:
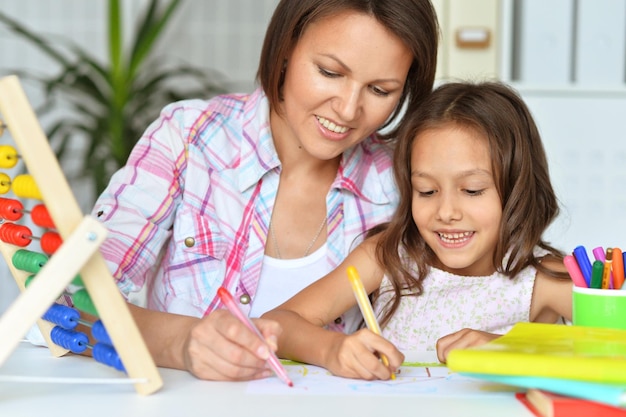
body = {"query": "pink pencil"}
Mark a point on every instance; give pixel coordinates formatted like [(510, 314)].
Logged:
[(229, 302), (574, 271), (598, 253)]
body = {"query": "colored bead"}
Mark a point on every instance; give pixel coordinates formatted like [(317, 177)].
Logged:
[(29, 261), (28, 280), (15, 234), (99, 332), (40, 216), (11, 209), (76, 342), (8, 156), (82, 301), (64, 316), (24, 186), (5, 183), (107, 355), (50, 242)]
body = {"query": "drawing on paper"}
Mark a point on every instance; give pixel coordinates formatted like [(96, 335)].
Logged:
[(411, 380)]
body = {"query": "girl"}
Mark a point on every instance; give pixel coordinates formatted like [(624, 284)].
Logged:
[(462, 259), (264, 193)]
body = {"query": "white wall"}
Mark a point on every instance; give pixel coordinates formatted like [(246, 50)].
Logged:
[(224, 35), (585, 138), (582, 123), (568, 59)]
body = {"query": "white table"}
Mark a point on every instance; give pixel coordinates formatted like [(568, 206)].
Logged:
[(184, 395)]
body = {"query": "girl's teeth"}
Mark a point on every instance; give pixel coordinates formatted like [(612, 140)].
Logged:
[(454, 237)]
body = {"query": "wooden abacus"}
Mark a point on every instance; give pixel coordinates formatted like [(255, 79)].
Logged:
[(78, 253)]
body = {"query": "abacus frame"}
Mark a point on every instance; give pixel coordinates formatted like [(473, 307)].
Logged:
[(82, 236)]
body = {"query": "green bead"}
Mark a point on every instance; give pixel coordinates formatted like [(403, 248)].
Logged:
[(29, 280), (82, 301), (29, 261), (78, 281)]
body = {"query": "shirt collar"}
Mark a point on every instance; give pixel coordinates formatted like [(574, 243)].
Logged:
[(362, 170), (258, 155)]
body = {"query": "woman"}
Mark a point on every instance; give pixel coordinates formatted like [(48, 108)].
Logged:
[(267, 192)]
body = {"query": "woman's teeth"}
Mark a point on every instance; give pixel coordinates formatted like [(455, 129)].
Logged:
[(331, 126)]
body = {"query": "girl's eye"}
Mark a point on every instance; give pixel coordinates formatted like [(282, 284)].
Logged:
[(379, 91), (425, 193), (475, 192), (327, 73)]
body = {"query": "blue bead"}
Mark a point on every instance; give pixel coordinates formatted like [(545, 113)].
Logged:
[(107, 355), (100, 333), (74, 341), (63, 316)]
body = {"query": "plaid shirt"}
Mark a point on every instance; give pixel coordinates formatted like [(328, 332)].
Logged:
[(190, 211)]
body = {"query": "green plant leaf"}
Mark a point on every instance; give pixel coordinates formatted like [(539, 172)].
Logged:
[(149, 30), (115, 38)]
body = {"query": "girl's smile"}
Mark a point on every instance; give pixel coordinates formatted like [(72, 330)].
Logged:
[(455, 239)]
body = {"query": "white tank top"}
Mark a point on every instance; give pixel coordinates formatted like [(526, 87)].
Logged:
[(281, 279)]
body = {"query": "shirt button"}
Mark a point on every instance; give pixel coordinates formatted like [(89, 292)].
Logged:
[(338, 320), (189, 242), (244, 299)]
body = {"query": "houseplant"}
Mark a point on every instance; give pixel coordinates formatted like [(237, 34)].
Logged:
[(107, 105)]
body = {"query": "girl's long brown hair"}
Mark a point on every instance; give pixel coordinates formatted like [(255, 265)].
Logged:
[(520, 168)]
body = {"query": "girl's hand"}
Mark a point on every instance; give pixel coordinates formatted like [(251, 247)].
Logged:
[(462, 339), (220, 347), (358, 356)]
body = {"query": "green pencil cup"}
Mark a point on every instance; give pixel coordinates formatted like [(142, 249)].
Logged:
[(599, 308)]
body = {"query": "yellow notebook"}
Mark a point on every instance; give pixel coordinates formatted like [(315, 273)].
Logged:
[(549, 350)]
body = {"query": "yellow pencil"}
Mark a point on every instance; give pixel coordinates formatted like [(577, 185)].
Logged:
[(606, 274), (366, 308)]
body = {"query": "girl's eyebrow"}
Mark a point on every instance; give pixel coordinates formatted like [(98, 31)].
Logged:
[(477, 171)]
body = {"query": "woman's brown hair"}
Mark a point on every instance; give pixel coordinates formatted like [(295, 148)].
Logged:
[(413, 21), (521, 175)]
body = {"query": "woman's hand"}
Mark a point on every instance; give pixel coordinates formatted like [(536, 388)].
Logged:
[(358, 356), (220, 347), (462, 339)]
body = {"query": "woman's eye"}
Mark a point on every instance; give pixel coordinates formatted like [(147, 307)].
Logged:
[(379, 91), (327, 73)]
